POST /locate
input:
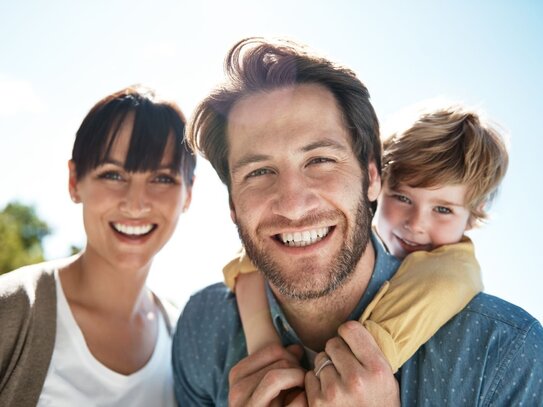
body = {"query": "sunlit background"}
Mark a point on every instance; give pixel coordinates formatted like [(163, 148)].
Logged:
[(57, 58)]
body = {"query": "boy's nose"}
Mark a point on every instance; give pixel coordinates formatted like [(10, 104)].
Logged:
[(415, 222)]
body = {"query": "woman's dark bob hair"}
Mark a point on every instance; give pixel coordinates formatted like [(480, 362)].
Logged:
[(154, 122)]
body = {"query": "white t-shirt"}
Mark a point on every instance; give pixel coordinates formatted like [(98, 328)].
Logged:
[(76, 378)]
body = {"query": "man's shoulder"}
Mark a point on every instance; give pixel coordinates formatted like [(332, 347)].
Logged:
[(493, 310), (211, 316), (490, 342), (210, 300), (208, 341)]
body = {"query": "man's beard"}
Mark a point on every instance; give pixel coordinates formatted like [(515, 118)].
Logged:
[(309, 285)]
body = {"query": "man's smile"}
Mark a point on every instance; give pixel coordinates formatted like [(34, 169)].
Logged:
[(303, 238)]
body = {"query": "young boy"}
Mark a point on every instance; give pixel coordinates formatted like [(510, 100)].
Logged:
[(438, 176)]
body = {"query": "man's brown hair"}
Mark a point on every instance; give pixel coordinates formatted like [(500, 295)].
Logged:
[(256, 65)]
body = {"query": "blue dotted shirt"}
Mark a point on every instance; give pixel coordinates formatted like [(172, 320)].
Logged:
[(490, 354)]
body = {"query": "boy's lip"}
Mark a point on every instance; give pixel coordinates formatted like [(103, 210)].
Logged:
[(411, 246)]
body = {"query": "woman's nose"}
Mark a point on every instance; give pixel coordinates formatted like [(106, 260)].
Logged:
[(135, 203)]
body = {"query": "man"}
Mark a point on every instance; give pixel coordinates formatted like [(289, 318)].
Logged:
[(295, 139)]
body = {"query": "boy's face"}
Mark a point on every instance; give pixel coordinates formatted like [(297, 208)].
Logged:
[(413, 219)]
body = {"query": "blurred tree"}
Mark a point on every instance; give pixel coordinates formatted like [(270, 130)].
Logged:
[(21, 235)]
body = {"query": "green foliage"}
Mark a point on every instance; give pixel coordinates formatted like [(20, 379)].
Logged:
[(21, 235)]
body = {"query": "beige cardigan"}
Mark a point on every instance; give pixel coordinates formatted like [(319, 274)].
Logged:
[(28, 313)]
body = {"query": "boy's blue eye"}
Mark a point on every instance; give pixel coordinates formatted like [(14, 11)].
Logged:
[(443, 210), (402, 198)]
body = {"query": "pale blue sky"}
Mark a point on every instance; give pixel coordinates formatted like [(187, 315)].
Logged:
[(57, 58)]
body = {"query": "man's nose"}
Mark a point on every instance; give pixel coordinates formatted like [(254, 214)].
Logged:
[(135, 202), (295, 196)]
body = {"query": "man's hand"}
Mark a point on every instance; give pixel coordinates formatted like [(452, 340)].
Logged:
[(262, 378), (359, 376)]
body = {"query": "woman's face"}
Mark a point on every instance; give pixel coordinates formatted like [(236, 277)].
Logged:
[(128, 217)]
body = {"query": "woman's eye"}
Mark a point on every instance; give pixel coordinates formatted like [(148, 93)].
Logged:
[(402, 198), (111, 176), (442, 210), (165, 179)]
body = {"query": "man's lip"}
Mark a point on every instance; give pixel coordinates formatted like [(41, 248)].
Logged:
[(305, 244)]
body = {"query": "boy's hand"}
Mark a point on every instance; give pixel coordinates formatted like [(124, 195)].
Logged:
[(360, 375), (262, 378)]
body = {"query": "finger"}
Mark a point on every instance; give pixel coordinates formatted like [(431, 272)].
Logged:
[(299, 401), (363, 346), (345, 362), (261, 359), (274, 382), (312, 387), (324, 368)]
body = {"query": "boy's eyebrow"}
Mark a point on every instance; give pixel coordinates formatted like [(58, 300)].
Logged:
[(255, 158), (447, 203)]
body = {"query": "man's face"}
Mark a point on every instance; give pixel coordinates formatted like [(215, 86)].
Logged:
[(299, 196)]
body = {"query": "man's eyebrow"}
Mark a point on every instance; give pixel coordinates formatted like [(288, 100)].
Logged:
[(249, 159), (325, 143)]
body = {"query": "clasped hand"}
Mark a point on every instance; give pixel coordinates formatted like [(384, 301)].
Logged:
[(359, 375)]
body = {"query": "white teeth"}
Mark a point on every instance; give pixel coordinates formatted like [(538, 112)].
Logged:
[(132, 230), (304, 238)]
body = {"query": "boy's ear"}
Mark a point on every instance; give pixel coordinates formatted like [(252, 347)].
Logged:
[(72, 182), (473, 221), (374, 182)]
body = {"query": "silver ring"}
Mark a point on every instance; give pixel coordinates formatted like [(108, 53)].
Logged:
[(326, 362)]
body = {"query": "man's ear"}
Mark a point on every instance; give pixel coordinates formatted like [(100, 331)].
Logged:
[(374, 182), (232, 209), (72, 182)]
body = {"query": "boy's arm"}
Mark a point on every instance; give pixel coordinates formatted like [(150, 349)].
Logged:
[(428, 289), (253, 307)]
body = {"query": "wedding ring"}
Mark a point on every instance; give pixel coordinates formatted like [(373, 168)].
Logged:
[(326, 362)]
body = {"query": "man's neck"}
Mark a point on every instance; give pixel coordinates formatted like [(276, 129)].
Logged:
[(316, 321)]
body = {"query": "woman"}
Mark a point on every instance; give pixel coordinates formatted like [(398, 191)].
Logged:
[(87, 330)]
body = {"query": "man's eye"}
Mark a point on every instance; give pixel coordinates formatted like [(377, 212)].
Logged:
[(402, 198), (442, 210), (259, 172), (111, 176), (320, 160)]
